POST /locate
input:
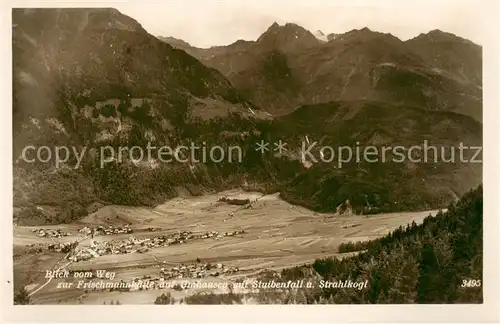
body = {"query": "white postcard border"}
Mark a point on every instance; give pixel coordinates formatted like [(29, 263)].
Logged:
[(267, 313)]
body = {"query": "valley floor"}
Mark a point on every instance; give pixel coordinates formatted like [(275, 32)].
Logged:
[(276, 235)]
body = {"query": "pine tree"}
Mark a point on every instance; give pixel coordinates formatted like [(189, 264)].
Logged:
[(374, 288), (429, 278)]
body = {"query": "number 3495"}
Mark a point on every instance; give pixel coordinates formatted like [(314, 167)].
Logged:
[(470, 283)]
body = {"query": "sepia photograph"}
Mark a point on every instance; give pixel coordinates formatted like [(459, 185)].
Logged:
[(229, 153)]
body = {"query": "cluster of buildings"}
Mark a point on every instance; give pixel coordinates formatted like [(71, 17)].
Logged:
[(62, 247), (217, 235), (98, 249), (49, 232), (175, 238), (101, 230), (196, 270), (190, 271), (134, 245), (82, 255)]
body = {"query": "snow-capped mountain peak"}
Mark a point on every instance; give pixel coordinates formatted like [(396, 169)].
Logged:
[(320, 35)]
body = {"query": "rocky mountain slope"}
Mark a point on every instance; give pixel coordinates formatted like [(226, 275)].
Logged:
[(437, 71), (94, 78), (449, 53), (87, 67)]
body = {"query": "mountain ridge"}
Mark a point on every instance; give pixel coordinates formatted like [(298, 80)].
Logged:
[(331, 35), (341, 68), (97, 79)]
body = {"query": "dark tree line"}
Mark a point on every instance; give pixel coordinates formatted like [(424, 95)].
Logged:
[(427, 263)]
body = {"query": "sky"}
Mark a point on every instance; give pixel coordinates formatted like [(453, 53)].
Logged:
[(206, 23)]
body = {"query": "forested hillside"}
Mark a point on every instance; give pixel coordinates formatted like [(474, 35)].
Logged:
[(425, 263)]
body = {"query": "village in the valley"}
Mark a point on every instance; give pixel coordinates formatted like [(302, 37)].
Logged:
[(76, 252), (195, 239)]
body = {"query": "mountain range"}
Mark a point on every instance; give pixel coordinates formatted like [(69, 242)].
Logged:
[(288, 66), (94, 78)]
